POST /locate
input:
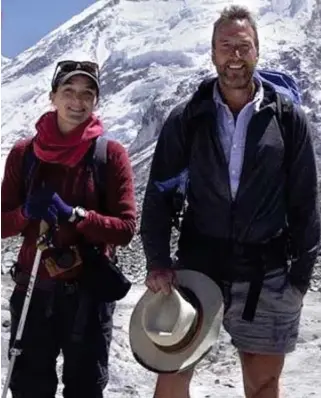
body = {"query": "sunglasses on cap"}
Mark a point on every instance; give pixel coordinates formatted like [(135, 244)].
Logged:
[(63, 68)]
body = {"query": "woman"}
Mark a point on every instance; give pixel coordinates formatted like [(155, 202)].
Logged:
[(63, 192)]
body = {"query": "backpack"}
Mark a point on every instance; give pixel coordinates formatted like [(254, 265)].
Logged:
[(96, 159), (287, 95)]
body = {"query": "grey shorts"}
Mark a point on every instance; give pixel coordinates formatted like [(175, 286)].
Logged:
[(275, 327)]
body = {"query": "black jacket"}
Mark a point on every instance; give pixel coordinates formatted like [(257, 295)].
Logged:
[(273, 195)]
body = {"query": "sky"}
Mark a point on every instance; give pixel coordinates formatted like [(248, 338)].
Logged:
[(24, 23)]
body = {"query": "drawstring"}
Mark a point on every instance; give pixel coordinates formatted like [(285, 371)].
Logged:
[(227, 294)]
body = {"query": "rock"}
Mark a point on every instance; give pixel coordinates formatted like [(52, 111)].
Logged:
[(6, 266), (6, 323), (9, 256), (4, 304), (5, 318), (230, 385)]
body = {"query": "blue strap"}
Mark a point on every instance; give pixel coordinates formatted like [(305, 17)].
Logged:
[(178, 183), (29, 164)]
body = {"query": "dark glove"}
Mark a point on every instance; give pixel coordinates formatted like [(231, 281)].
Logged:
[(48, 206)]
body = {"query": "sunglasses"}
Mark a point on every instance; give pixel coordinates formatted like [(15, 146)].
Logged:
[(64, 67)]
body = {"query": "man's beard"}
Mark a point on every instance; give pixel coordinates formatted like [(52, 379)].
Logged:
[(236, 79)]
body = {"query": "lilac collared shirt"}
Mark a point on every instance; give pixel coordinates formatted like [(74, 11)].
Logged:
[(232, 132)]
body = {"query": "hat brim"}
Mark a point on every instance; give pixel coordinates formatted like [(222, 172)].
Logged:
[(154, 358), (69, 75)]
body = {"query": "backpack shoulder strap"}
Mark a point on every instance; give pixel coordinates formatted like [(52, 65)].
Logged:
[(29, 165), (284, 109), (99, 168), (100, 153)]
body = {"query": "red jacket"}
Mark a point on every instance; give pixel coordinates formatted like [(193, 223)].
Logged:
[(76, 188)]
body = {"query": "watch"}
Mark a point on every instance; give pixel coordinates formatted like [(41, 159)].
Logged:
[(78, 214)]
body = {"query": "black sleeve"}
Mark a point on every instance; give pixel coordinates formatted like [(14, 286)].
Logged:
[(303, 203), (168, 162)]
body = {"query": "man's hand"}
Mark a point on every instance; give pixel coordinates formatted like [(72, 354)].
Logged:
[(161, 279), (301, 285)]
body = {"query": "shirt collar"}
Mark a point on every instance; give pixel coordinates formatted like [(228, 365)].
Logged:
[(258, 98)]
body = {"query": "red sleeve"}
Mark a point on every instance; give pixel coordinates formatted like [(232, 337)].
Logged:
[(12, 220), (119, 227)]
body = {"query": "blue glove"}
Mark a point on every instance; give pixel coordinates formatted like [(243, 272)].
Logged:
[(48, 206)]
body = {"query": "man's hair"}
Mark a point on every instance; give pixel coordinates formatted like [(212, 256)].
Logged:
[(235, 13)]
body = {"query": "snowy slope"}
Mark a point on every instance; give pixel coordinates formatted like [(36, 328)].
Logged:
[(4, 61)]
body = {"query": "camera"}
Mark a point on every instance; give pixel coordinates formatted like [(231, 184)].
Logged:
[(62, 260)]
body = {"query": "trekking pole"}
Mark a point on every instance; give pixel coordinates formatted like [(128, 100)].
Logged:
[(42, 243)]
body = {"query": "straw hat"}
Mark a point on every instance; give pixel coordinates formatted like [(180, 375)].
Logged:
[(171, 333)]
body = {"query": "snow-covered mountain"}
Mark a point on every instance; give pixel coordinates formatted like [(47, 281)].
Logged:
[(4, 61), (152, 55)]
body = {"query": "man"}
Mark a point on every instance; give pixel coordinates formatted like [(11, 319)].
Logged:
[(66, 313), (252, 206)]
